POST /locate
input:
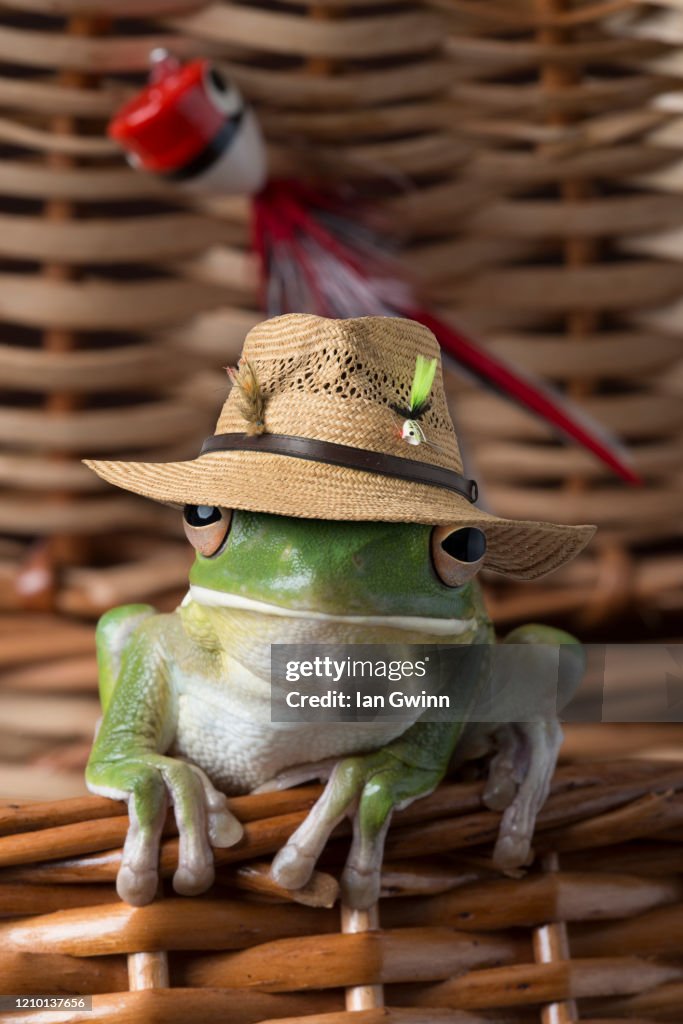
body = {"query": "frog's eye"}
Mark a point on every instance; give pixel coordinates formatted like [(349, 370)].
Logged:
[(457, 553), (223, 93), (206, 527)]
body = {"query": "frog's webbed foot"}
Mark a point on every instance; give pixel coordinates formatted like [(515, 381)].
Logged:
[(520, 773), (521, 769), (148, 783), (367, 789)]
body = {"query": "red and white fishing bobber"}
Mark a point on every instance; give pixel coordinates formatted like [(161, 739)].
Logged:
[(192, 126)]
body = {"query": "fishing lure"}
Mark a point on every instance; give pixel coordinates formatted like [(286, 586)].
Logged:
[(317, 252), (418, 404), (191, 125)]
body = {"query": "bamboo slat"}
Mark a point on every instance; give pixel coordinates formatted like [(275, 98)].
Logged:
[(420, 828), (127, 366), (27, 178), (350, 89), (91, 306)]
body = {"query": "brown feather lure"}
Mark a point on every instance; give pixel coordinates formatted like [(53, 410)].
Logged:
[(252, 400)]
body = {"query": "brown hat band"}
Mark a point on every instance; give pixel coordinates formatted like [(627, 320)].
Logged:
[(344, 455)]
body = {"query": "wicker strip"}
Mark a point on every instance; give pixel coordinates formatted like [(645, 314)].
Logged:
[(29, 180), (351, 90), (49, 50), (353, 38), (129, 240), (119, 8)]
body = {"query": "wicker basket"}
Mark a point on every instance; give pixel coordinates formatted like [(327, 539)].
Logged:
[(519, 194), (592, 932), (90, 285), (106, 275), (555, 99)]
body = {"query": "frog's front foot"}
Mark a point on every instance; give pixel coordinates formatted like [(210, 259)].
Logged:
[(520, 774), (525, 752), (367, 789), (147, 782)]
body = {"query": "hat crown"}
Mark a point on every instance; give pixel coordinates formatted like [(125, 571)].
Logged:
[(339, 381)]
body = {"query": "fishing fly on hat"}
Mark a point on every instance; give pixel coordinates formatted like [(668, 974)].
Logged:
[(346, 420)]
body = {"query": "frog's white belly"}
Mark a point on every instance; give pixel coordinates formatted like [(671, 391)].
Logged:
[(224, 725), (239, 752)]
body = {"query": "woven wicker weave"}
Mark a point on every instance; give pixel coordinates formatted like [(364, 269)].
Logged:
[(100, 273), (555, 99), (89, 287), (592, 932), (519, 194)]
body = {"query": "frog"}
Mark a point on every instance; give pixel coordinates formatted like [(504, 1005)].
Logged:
[(186, 694)]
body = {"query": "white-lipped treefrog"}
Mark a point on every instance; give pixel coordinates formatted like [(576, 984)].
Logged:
[(186, 695)]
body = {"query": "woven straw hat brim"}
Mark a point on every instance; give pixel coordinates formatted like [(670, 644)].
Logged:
[(279, 485)]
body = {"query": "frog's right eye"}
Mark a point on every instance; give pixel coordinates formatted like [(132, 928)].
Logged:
[(206, 527), (457, 553)]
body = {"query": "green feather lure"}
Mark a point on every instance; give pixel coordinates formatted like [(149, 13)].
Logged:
[(423, 378)]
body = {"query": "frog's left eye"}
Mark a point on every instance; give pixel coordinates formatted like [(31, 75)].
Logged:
[(223, 93), (206, 527), (457, 553)]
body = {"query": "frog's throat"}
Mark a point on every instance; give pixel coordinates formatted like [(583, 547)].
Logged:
[(416, 623)]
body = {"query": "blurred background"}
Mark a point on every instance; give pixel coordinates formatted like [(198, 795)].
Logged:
[(526, 157)]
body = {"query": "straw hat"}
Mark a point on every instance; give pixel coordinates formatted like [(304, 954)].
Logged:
[(312, 430)]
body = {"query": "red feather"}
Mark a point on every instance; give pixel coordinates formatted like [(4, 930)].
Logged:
[(317, 255), (546, 402)]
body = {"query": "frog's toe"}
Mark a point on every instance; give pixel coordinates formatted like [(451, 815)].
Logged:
[(542, 741), (294, 864), (360, 887), (506, 768), (195, 871), (223, 827), (193, 876), (361, 879), (138, 878), (389, 787), (137, 886), (512, 852)]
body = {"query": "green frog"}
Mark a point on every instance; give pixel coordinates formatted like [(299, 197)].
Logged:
[(186, 695), (329, 507)]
